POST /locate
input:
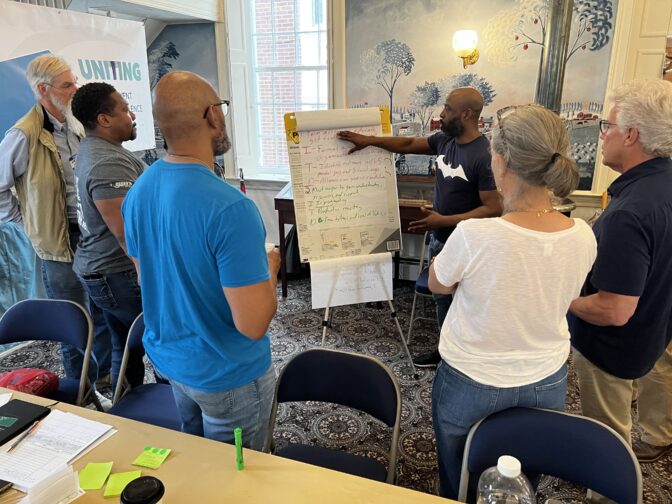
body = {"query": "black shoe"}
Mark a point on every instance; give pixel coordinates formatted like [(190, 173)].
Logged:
[(427, 360)]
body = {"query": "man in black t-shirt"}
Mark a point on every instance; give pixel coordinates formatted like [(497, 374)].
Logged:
[(464, 187), (624, 323)]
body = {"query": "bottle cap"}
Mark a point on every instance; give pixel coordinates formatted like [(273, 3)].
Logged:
[(508, 466), (143, 490)]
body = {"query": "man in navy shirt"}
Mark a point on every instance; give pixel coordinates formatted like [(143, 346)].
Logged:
[(464, 187), (624, 323)]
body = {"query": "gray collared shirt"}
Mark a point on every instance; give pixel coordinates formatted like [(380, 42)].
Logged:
[(14, 163)]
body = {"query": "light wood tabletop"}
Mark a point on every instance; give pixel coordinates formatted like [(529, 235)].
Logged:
[(200, 470)]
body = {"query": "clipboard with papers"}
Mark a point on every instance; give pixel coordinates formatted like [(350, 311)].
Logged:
[(58, 440)]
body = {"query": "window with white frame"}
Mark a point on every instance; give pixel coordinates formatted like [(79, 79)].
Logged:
[(285, 71)]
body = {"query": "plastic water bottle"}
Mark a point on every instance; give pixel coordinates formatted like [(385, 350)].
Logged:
[(505, 484)]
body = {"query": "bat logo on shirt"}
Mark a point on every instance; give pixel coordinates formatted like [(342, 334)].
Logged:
[(448, 171)]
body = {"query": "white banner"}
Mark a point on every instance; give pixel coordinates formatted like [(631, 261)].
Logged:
[(97, 48)]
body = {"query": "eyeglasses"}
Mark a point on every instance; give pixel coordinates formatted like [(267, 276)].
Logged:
[(63, 87), (225, 107), (605, 125), (501, 115)]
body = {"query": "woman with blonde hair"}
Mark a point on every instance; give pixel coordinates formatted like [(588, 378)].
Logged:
[(505, 340)]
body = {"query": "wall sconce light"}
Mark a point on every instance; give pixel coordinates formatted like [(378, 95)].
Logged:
[(464, 45)]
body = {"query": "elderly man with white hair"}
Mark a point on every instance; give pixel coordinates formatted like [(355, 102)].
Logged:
[(37, 157), (624, 317)]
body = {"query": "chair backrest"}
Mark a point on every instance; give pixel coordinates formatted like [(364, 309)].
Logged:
[(51, 320), (345, 378), (133, 344), (575, 448)]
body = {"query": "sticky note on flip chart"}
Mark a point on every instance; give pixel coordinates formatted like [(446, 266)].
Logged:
[(93, 476), (118, 481), (152, 457)]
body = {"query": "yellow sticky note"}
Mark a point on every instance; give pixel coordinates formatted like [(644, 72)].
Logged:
[(93, 476), (118, 481), (152, 457)]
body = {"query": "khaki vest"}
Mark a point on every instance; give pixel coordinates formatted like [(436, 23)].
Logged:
[(41, 191)]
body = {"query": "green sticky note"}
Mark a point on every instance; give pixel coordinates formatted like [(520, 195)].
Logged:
[(93, 476), (152, 457), (118, 481)]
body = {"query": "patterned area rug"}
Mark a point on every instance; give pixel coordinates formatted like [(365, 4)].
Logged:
[(370, 329)]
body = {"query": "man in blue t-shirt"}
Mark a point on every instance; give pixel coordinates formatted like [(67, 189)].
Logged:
[(624, 323), (208, 286), (464, 187)]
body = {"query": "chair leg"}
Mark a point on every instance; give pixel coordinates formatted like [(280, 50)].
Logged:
[(410, 325)]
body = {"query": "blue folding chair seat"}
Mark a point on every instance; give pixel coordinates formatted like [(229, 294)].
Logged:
[(152, 403), (336, 460)]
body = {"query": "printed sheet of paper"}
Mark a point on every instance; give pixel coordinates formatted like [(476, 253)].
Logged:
[(345, 204), (352, 280), (57, 440)]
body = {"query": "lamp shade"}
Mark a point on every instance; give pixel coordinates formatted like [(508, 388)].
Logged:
[(464, 42)]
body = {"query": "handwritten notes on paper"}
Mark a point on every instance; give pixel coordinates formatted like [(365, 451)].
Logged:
[(363, 279), (345, 204)]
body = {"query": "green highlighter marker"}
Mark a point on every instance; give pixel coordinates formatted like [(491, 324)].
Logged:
[(238, 436)]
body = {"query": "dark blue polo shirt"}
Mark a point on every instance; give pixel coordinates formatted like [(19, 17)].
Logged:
[(634, 258), (462, 170)]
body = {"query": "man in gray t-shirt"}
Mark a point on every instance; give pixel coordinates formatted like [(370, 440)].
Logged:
[(104, 172)]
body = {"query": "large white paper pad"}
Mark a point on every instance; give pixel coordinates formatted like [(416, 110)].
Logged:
[(351, 280)]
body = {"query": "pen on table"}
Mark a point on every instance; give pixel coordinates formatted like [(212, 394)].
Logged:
[(238, 438), (23, 436)]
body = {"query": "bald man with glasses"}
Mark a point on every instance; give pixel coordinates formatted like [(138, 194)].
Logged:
[(208, 285)]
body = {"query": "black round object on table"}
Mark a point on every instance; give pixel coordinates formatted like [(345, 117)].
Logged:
[(143, 490)]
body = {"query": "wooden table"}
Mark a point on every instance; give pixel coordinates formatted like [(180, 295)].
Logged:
[(284, 204), (203, 471)]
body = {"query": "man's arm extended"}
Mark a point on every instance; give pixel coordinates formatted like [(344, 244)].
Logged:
[(254, 306), (605, 308), (110, 211), (400, 145), (490, 207)]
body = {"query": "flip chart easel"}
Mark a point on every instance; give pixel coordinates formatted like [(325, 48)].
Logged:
[(346, 206), (354, 280)]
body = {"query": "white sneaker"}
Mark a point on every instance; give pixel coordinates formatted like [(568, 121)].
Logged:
[(104, 401)]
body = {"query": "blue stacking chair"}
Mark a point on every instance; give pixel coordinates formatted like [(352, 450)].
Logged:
[(152, 403), (575, 448), (348, 379), (421, 289), (55, 320)]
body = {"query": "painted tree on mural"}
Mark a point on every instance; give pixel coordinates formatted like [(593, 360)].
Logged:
[(522, 27), (447, 84), (157, 61), (385, 64), (422, 102)]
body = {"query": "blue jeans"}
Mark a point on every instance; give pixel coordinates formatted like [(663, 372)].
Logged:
[(458, 402), (117, 295), (214, 415), (60, 282), (19, 279), (442, 300)]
